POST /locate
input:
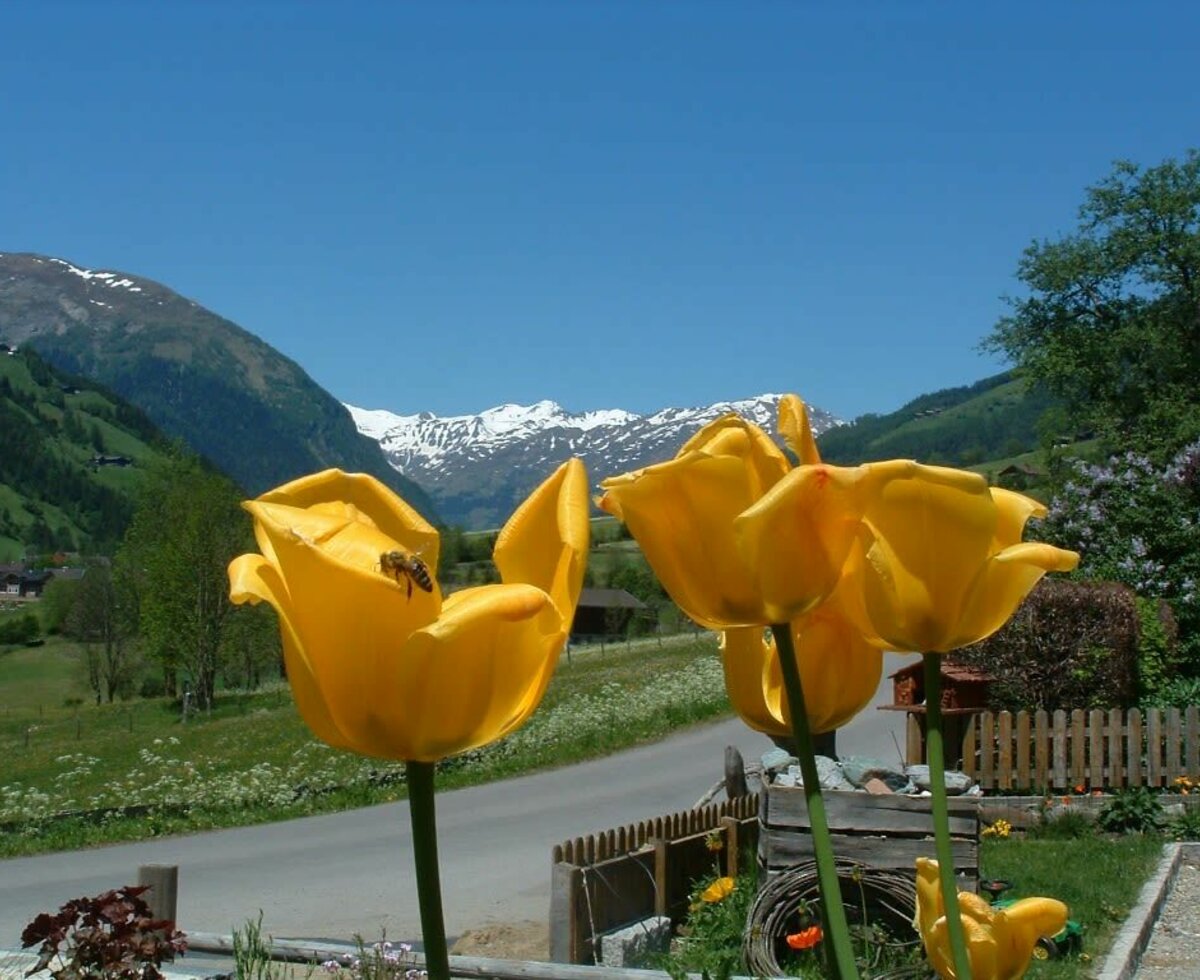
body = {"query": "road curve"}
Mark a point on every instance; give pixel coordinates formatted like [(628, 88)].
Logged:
[(340, 874)]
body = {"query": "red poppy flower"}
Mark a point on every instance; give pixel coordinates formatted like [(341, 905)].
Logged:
[(805, 938)]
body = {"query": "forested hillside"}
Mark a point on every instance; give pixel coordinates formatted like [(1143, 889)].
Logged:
[(73, 456), (991, 419)]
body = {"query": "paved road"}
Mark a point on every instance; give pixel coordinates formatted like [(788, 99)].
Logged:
[(332, 876)]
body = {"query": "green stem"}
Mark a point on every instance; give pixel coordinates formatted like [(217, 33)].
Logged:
[(837, 931), (425, 856), (936, 757)]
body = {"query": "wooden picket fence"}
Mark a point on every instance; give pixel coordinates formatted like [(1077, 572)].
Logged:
[(1097, 749), (608, 880)]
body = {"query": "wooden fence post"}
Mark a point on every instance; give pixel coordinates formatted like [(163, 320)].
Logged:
[(914, 742), (1116, 750), (733, 846), (1192, 755), (661, 898), (735, 773), (162, 881), (1133, 747), (566, 886), (1154, 747)]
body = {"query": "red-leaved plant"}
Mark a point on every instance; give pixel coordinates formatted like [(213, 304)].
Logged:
[(113, 936)]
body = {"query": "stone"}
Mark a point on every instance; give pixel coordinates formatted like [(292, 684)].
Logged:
[(858, 769), (776, 759), (784, 779), (634, 945), (877, 787), (830, 776), (957, 783)]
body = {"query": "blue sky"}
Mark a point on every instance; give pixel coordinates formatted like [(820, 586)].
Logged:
[(444, 207)]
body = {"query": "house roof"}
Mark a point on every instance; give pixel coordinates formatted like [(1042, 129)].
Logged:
[(609, 599), (951, 669)]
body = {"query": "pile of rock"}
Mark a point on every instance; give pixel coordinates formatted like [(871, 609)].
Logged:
[(861, 774)]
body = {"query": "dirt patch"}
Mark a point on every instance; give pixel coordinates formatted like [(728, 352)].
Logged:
[(506, 941)]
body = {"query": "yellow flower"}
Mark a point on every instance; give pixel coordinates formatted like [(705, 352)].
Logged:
[(718, 891), (387, 670), (941, 559), (725, 563), (839, 672), (1000, 942)]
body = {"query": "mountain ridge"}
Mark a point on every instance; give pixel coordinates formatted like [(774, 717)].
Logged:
[(477, 468), (233, 398)]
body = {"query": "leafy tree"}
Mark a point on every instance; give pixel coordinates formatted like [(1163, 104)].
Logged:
[(252, 647), (104, 619), (188, 526), (451, 550), (57, 600), (19, 629), (636, 578), (1111, 324)]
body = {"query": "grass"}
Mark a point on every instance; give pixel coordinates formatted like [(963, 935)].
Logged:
[(1098, 877), (252, 759)]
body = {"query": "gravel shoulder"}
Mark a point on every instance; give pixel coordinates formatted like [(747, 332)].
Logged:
[(1174, 950)]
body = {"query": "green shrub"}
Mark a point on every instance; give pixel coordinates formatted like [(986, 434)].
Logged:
[(1177, 692), (712, 936), (1186, 826), (1069, 645), (20, 629), (1157, 647), (1135, 810), (1067, 825)]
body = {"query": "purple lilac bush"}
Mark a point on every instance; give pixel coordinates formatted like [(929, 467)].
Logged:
[(1138, 524)]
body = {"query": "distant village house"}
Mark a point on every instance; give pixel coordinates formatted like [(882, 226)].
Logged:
[(605, 613), (19, 582)]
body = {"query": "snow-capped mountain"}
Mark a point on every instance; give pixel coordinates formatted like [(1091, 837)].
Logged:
[(478, 467)]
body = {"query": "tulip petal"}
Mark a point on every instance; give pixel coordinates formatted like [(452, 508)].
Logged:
[(348, 613), (253, 579), (1013, 510), (367, 499), (839, 673), (1005, 580), (795, 540), (796, 430), (746, 657), (472, 676), (732, 435), (545, 542), (933, 528), (681, 513)]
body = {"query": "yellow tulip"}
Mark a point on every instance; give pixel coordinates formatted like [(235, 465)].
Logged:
[(721, 561), (839, 672), (397, 672), (1000, 942), (941, 559)]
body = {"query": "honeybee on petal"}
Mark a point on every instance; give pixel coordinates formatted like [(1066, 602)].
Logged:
[(401, 565)]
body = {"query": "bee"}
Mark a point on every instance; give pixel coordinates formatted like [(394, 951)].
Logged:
[(401, 565)]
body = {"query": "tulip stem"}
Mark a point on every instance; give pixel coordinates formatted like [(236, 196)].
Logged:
[(837, 930), (425, 856), (936, 757)]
